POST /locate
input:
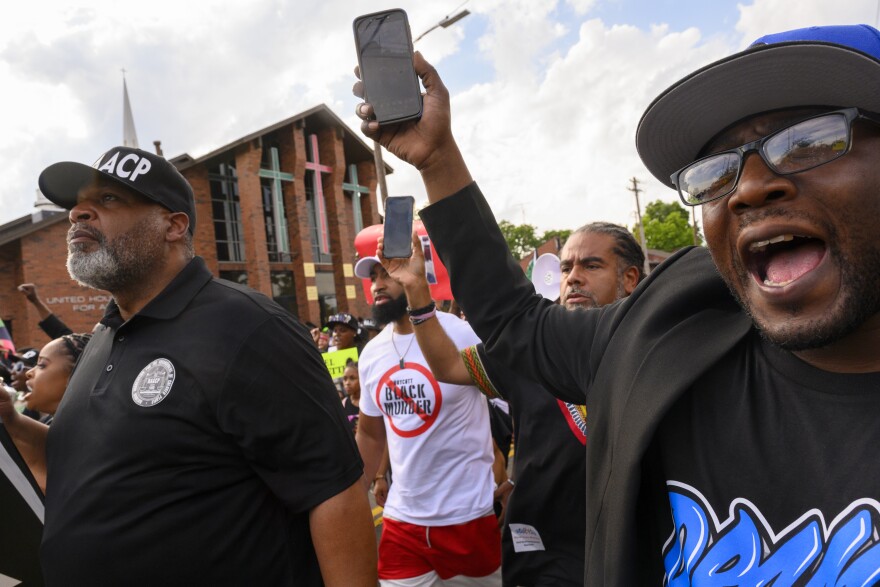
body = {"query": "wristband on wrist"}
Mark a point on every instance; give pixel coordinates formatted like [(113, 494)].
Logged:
[(416, 312), (509, 480), (382, 477), (416, 320)]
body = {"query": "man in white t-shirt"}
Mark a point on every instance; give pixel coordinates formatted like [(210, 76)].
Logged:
[(439, 528)]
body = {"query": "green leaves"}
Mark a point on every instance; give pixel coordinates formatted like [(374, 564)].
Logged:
[(668, 226), (522, 239)]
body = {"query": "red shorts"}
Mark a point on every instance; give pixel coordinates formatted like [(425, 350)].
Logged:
[(472, 549)]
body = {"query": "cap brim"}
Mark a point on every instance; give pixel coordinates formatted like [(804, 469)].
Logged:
[(684, 118), (61, 182), (364, 266)]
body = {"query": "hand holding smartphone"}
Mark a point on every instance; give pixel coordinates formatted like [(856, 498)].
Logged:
[(385, 58), (398, 227)]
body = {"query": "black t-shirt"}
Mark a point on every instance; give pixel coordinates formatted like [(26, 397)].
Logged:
[(802, 510), (351, 412), (501, 427), (191, 444), (546, 510), (22, 524)]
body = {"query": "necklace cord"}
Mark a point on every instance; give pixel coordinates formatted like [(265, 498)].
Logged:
[(403, 356)]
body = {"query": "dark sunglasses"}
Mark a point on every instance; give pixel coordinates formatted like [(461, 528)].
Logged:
[(804, 145)]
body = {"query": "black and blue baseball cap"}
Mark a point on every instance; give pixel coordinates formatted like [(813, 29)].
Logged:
[(146, 173), (344, 319), (834, 66)]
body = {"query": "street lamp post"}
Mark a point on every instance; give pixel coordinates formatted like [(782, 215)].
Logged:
[(377, 148), (380, 173), (445, 23)]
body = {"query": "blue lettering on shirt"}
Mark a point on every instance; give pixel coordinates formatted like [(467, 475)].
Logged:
[(744, 550)]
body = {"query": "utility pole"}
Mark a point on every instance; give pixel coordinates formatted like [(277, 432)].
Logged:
[(380, 173), (635, 189), (694, 222)]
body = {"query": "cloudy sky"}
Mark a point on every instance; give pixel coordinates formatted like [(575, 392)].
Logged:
[(546, 94)]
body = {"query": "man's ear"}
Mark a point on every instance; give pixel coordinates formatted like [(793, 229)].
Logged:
[(630, 279), (178, 225)]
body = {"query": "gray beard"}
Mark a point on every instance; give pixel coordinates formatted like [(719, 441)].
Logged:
[(621, 293), (119, 264), (97, 269)]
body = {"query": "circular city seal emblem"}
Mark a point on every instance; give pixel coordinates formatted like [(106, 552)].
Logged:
[(153, 383)]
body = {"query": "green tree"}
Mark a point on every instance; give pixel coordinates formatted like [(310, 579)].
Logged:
[(667, 226), (521, 238), (562, 235)]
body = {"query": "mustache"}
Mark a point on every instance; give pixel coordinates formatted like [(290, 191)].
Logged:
[(92, 232), (578, 291), (574, 290)]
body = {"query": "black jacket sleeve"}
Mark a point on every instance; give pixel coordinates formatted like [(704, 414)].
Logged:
[(54, 327), (520, 329)]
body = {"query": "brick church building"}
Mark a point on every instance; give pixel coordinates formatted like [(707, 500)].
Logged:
[(277, 210)]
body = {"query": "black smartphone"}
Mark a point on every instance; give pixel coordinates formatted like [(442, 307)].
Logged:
[(385, 54), (398, 227)]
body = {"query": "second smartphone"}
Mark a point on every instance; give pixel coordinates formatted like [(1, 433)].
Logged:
[(398, 227)]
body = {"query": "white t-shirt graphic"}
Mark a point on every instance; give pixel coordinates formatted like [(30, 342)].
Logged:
[(438, 434)]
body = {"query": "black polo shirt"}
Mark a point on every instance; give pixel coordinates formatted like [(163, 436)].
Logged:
[(191, 444)]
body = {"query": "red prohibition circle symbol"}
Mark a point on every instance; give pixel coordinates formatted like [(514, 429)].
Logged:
[(427, 419)]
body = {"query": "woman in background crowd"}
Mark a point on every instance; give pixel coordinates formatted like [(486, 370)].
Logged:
[(352, 384), (47, 380)]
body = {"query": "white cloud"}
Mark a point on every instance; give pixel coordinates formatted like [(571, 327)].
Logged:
[(200, 74), (581, 6), (772, 16), (559, 152)]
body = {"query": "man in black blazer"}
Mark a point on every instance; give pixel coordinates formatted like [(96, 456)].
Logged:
[(733, 397)]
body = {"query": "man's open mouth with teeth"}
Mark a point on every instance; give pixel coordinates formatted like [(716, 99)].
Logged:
[(780, 260)]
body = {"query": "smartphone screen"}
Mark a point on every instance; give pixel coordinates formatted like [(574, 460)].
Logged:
[(398, 227), (385, 54)]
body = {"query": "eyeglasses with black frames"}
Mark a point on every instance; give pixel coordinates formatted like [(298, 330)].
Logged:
[(804, 145)]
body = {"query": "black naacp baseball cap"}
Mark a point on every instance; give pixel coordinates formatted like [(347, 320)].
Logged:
[(148, 174)]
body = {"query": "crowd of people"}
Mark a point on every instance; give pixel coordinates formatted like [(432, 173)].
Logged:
[(37, 378), (708, 424)]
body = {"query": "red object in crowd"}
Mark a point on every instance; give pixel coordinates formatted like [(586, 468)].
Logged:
[(6, 345), (365, 244)]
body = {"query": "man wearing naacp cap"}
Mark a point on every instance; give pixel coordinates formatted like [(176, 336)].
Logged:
[(734, 396), (200, 441)]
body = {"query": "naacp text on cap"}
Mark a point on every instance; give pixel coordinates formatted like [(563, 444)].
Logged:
[(139, 165)]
